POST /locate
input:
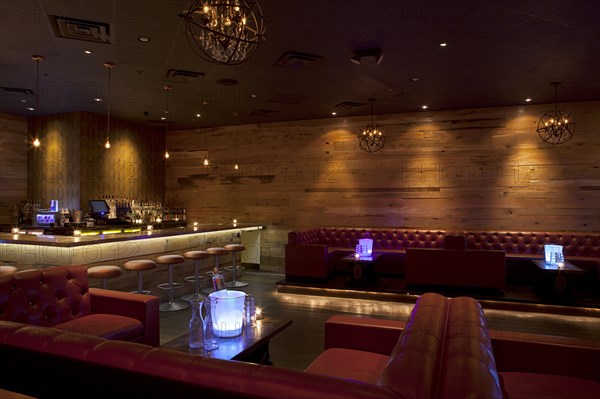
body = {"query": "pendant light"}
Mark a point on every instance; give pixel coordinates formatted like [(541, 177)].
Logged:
[(236, 166), (108, 66), (166, 118), (371, 138), (556, 127), (37, 59)]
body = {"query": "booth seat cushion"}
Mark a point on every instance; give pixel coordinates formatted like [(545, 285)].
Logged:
[(350, 364), (109, 326), (518, 385)]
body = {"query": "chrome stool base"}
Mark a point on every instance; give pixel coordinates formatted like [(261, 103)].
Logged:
[(177, 304)]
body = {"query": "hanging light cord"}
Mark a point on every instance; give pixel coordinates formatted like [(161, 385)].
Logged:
[(108, 104), (37, 86)]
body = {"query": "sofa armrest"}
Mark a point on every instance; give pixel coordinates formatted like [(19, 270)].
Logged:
[(362, 333), (141, 307), (546, 358), (306, 260)]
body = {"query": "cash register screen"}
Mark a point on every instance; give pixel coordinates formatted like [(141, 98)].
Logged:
[(99, 207)]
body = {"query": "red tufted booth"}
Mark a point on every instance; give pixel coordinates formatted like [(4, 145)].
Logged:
[(314, 253), (60, 297), (444, 350)]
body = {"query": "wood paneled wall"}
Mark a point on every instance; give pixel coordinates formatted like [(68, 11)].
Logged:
[(73, 166), (13, 165), (463, 169)]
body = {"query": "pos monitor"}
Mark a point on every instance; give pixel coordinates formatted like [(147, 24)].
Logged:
[(99, 208)]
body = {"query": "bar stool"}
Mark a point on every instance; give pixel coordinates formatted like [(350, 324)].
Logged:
[(172, 304), (139, 265), (197, 256), (217, 252), (235, 248), (5, 269), (104, 272)]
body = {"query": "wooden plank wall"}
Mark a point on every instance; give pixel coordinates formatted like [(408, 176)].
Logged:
[(73, 166), (13, 165), (464, 169)]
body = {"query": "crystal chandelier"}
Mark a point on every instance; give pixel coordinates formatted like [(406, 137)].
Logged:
[(371, 138), (224, 31), (556, 127)]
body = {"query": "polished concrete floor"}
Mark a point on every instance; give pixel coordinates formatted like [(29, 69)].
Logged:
[(295, 347)]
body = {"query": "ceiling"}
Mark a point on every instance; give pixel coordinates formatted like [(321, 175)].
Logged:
[(498, 53)]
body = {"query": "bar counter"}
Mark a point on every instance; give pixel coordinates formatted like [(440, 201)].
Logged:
[(29, 250)]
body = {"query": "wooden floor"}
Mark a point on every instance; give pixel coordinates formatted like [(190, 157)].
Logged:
[(298, 345)]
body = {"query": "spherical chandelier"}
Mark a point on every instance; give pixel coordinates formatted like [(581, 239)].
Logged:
[(371, 138), (225, 32), (556, 127)]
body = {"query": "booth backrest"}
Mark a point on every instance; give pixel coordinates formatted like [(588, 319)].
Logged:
[(383, 238), (444, 352), (532, 243), (45, 297), (581, 244)]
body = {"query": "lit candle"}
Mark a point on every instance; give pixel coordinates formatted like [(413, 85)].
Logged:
[(76, 233), (15, 230)]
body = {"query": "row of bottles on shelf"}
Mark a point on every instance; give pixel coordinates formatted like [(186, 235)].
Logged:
[(143, 211), (24, 213)]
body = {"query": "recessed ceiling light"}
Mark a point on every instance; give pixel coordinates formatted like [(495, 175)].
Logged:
[(23, 100), (30, 109), (198, 116), (424, 106), (334, 113), (97, 99), (253, 95), (528, 100), (144, 39), (415, 79), (163, 118), (87, 51), (443, 44)]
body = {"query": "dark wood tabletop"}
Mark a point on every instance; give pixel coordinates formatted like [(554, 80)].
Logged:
[(252, 345)]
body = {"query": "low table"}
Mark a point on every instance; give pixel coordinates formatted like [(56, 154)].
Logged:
[(362, 272), (251, 346), (558, 274)]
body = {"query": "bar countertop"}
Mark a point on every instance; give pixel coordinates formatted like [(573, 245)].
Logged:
[(70, 241)]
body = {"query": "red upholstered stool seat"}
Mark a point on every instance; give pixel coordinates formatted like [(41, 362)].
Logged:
[(5, 269), (235, 248), (139, 266), (172, 304), (104, 272)]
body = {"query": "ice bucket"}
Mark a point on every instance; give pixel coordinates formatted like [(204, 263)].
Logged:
[(228, 312)]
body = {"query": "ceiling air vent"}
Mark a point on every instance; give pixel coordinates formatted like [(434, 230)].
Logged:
[(154, 122), (296, 60), (263, 112), (288, 99), (80, 29), (28, 92), (348, 105), (179, 75)]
